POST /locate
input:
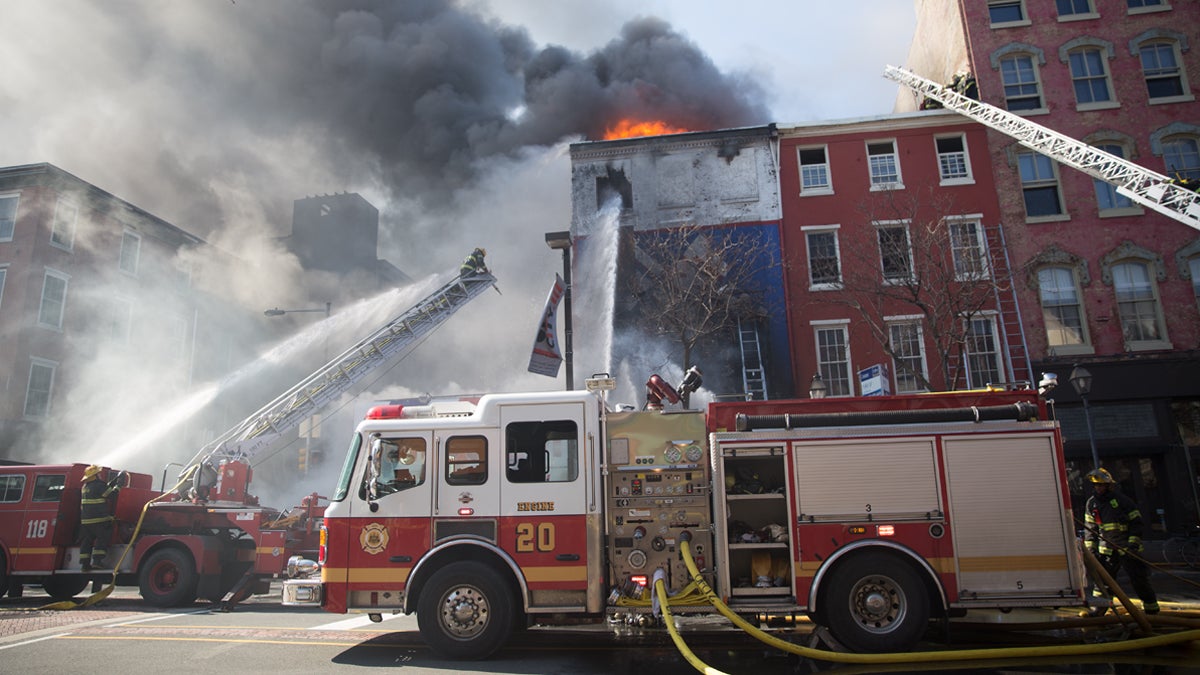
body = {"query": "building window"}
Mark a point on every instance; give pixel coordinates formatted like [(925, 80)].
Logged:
[(1001, 12), (983, 353), (968, 249), (884, 165), (1194, 268), (1062, 312), (953, 164), (62, 234), (1182, 158), (1039, 184), (1022, 91), (1074, 8), (824, 263), (895, 252), (814, 171), (1160, 67), (8, 216), (41, 384), (833, 359), (908, 356), (1107, 197), (1135, 5), (1089, 76), (1137, 304), (131, 246), (54, 300), (122, 320)]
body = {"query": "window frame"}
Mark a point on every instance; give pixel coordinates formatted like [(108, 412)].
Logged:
[(1074, 15), (827, 188), (549, 432), (970, 354), (914, 321), (1104, 77), (980, 263), (122, 319), (969, 177), (1193, 264), (1191, 172), (1019, 4), (1084, 346), (7, 487), (1040, 183), (903, 226), (1130, 208), (1146, 6), (838, 384), (1180, 72), (62, 309), (831, 230), (8, 232), (472, 477), (136, 246), (1036, 83), (64, 237), (879, 185), (1161, 341), (35, 363)]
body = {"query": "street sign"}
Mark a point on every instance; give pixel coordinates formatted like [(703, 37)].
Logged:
[(875, 380)]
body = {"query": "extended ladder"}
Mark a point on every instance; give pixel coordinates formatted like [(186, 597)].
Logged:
[(754, 379), (1148, 188), (399, 336)]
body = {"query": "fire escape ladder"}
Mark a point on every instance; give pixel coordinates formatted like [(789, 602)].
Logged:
[(1012, 328), (754, 378), (392, 341)]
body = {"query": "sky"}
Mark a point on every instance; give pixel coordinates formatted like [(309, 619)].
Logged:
[(452, 117)]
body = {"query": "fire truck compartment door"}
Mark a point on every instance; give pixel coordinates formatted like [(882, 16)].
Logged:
[(45, 523), (867, 479), (546, 500), (1007, 515)]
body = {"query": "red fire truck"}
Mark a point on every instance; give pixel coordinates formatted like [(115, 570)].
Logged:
[(185, 548), (871, 515)]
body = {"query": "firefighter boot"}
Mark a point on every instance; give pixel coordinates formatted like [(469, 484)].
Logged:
[(97, 562)]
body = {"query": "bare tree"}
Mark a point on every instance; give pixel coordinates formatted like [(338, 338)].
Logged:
[(696, 283), (913, 255)]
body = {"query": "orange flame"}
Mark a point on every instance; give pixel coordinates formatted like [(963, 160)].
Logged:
[(628, 128)]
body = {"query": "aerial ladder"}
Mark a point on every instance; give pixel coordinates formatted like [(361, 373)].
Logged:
[(394, 340), (1148, 188)]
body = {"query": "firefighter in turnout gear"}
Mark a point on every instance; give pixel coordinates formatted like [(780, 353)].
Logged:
[(95, 516), (1113, 532), (473, 264)]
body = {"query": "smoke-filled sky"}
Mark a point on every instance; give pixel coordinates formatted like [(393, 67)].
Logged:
[(451, 117)]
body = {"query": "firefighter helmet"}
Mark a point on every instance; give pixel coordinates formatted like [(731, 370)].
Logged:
[(91, 472), (1101, 476), (481, 251)]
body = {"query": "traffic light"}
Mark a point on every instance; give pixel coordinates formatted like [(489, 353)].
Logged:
[(303, 460)]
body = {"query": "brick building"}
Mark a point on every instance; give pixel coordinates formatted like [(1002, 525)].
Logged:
[(1103, 283), (894, 260)]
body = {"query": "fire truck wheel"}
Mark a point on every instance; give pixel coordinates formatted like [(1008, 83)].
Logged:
[(876, 603), (3, 576), (64, 587), (465, 611), (168, 578)]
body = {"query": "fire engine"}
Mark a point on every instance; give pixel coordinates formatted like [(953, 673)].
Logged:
[(870, 515), (207, 536)]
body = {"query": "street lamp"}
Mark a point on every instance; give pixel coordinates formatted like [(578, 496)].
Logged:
[(306, 455), (818, 388), (1081, 382), (561, 241)]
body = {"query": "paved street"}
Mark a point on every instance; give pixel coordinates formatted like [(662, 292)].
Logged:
[(263, 637)]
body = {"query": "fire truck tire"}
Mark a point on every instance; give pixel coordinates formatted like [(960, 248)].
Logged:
[(168, 578), (65, 587), (876, 603), (465, 611), (3, 575)]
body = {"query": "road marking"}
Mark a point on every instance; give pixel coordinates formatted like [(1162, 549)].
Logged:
[(154, 617), (29, 642), (351, 624)]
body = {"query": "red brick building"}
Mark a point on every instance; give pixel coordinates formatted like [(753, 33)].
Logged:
[(893, 258), (1103, 283)]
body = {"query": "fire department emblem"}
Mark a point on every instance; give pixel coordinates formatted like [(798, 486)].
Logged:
[(373, 538), (466, 498)]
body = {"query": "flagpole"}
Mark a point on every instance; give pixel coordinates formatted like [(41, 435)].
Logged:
[(562, 241)]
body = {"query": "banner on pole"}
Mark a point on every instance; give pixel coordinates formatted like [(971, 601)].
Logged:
[(546, 357)]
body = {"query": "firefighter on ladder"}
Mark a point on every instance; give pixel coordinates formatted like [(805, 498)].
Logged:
[(1113, 532), (473, 264), (95, 517)]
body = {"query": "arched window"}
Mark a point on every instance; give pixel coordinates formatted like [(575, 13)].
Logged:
[(1062, 310), (1137, 303)]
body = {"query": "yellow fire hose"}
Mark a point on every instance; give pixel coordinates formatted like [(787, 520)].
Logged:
[(924, 657), (112, 584)]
